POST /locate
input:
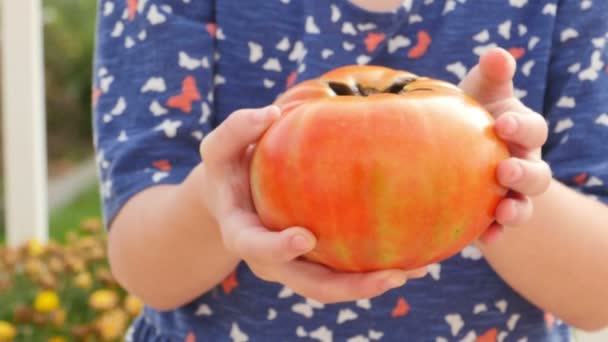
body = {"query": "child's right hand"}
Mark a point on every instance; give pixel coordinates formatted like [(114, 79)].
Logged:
[(273, 256)]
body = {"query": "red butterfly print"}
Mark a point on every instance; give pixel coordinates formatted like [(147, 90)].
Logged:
[(132, 8), (581, 178), (517, 52), (162, 165), (189, 94), (424, 41), (488, 336), (230, 283), (212, 29), (95, 96), (291, 79), (372, 40), (190, 337), (402, 308)]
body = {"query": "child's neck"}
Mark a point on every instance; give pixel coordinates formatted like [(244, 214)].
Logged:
[(378, 5)]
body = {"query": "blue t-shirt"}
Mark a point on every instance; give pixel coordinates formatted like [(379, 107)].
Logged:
[(168, 71)]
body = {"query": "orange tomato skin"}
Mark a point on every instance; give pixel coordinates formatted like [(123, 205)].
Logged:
[(384, 180)]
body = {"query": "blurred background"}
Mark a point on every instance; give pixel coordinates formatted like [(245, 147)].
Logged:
[(63, 290), (69, 27)]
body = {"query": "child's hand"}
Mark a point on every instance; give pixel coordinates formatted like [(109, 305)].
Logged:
[(525, 174), (272, 256)]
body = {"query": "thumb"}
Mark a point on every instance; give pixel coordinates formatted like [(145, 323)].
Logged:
[(492, 79), (228, 141)]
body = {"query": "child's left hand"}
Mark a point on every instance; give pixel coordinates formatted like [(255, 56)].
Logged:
[(525, 131)]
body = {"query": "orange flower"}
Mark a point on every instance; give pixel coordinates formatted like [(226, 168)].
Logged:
[(53, 247), (33, 268), (5, 284), (58, 317), (81, 332), (97, 253), (10, 257), (47, 281), (23, 314), (105, 276), (56, 265), (75, 263), (71, 237), (91, 224)]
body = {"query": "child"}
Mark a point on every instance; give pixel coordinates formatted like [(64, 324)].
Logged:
[(173, 76)]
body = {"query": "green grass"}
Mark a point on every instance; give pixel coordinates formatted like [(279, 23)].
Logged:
[(68, 218)]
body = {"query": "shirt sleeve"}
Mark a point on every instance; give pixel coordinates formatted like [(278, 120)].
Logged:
[(576, 102), (152, 93)]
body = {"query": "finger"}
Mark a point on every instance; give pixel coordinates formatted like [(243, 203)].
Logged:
[(529, 177), (227, 142), (326, 286), (248, 156), (525, 130), (491, 79), (244, 235), (514, 211), (492, 234), (417, 273)]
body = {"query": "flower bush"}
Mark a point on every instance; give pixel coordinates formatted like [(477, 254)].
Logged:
[(63, 292)]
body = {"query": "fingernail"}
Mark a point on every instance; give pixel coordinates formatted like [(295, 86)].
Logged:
[(515, 174), (419, 273), (301, 243), (394, 281), (510, 125), (514, 210), (263, 114)]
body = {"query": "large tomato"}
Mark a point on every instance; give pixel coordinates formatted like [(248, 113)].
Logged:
[(386, 168)]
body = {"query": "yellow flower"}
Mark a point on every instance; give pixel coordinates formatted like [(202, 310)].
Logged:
[(57, 339), (103, 300), (46, 301), (35, 248), (112, 324), (7, 331), (133, 305), (83, 280)]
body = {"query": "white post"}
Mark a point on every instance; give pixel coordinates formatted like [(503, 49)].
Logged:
[(23, 112)]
